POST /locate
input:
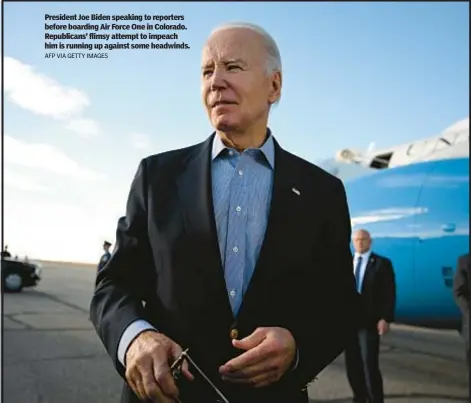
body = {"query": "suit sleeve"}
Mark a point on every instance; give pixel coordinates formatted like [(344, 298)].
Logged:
[(322, 335), (460, 286), (388, 291), (122, 285)]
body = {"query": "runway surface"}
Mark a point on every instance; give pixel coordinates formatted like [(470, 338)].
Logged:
[(53, 355)]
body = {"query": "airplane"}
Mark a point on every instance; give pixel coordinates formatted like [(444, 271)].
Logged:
[(414, 201)]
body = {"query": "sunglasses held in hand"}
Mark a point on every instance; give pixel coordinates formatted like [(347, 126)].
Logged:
[(176, 370)]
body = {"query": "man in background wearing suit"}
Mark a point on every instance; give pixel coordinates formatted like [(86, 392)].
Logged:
[(233, 248), (461, 290), (106, 256), (376, 284)]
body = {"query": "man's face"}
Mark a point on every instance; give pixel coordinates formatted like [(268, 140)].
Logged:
[(361, 241), (235, 87)]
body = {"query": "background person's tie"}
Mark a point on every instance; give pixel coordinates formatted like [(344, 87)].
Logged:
[(357, 273)]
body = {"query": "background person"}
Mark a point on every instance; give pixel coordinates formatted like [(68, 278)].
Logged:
[(461, 291), (106, 255), (376, 284)]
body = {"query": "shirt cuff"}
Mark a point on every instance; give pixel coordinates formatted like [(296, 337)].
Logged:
[(131, 332), (296, 362)]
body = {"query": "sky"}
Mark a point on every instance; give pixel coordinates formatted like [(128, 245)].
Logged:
[(76, 129)]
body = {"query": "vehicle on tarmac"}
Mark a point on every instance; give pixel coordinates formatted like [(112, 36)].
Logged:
[(18, 274)]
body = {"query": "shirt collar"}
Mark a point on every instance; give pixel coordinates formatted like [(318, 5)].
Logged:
[(267, 148), (364, 256)]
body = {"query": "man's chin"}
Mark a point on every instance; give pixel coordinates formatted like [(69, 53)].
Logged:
[(225, 125)]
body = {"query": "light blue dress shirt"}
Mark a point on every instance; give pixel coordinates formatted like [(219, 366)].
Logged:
[(241, 188)]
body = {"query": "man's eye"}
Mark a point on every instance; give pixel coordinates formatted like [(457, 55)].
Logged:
[(233, 67)]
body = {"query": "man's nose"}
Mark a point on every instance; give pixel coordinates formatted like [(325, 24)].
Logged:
[(218, 79)]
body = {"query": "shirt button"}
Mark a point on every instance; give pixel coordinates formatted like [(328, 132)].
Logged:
[(235, 249), (232, 293), (241, 173), (238, 208)]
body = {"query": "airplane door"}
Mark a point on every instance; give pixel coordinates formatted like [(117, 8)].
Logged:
[(443, 235)]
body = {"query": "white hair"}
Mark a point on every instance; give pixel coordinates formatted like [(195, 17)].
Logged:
[(273, 54)]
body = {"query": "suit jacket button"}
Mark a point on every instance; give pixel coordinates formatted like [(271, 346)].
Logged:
[(234, 333)]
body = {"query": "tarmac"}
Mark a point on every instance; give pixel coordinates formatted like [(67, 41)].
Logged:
[(51, 353)]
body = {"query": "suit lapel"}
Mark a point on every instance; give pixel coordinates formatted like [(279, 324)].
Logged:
[(369, 270), (283, 201), (195, 197)]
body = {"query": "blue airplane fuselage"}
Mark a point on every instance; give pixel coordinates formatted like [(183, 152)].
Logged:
[(418, 216)]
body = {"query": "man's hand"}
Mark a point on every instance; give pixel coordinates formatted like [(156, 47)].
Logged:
[(383, 327), (269, 353), (148, 369)]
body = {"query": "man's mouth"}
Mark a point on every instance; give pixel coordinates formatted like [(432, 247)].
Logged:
[(219, 103)]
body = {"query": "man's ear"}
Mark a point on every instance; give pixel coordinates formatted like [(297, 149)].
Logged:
[(275, 93)]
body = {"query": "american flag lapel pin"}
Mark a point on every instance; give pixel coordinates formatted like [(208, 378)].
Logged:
[(296, 191)]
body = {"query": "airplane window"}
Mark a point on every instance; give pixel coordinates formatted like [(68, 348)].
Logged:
[(381, 161), (413, 149)]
